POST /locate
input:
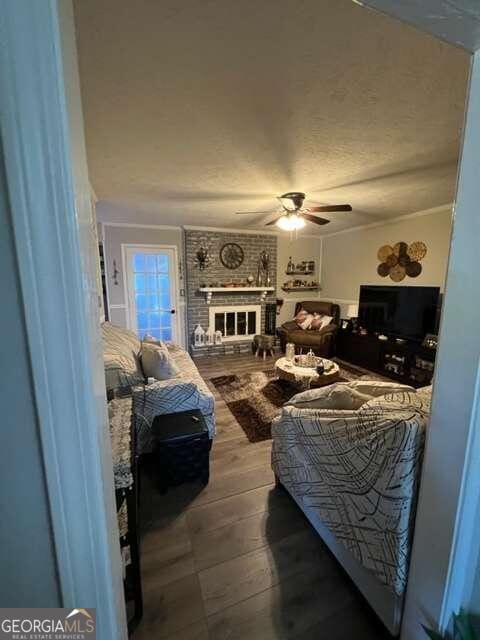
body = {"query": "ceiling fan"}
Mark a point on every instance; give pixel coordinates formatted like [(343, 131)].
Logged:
[(294, 215)]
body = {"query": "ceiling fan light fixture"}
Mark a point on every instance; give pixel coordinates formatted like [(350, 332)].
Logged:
[(290, 222), (287, 204)]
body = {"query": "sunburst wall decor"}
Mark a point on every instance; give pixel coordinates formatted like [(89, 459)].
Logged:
[(401, 260)]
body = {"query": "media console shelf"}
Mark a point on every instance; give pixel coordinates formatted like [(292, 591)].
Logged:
[(407, 362)]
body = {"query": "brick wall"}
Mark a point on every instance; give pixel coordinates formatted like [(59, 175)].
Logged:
[(197, 308)]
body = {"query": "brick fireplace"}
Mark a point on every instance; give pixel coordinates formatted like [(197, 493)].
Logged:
[(238, 314)]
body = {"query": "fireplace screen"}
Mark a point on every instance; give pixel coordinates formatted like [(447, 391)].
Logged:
[(236, 323)]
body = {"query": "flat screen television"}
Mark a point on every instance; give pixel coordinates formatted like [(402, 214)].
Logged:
[(405, 312)]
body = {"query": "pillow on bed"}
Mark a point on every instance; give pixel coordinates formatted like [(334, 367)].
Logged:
[(157, 363), (336, 396)]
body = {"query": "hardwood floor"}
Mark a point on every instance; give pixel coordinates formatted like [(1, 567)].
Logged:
[(238, 560)]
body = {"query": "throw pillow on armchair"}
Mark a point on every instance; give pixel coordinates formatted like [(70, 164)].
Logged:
[(320, 337), (320, 321), (304, 319)]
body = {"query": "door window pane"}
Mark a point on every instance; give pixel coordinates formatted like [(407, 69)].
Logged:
[(166, 334), (153, 301), (154, 319), (152, 287), (141, 300), (162, 263), (165, 318), (139, 283), (151, 282), (151, 263), (139, 262), (163, 282), (142, 321)]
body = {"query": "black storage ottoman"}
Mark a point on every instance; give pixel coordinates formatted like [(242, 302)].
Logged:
[(182, 448)]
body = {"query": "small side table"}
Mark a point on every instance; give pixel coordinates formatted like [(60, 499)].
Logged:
[(182, 448), (263, 343)]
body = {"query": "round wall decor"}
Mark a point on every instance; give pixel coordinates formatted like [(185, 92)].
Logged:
[(231, 255), (384, 252), (417, 251), (397, 273), (401, 260)]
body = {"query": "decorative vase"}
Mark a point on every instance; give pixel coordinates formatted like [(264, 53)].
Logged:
[(290, 351)]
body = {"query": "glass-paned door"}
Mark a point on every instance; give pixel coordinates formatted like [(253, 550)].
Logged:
[(152, 294)]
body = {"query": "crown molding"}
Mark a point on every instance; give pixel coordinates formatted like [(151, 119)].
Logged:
[(251, 232), (133, 225), (282, 234), (254, 232), (382, 223)]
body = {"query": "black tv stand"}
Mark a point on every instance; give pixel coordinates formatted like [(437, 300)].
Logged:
[(402, 360)]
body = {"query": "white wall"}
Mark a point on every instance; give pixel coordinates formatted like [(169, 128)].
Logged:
[(115, 234), (26, 532), (300, 248), (113, 238), (349, 259)]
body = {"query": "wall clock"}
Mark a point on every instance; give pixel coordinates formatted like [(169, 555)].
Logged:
[(231, 255)]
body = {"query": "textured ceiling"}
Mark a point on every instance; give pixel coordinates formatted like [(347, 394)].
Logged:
[(199, 108)]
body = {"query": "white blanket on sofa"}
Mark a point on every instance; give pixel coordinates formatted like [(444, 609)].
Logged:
[(187, 391)]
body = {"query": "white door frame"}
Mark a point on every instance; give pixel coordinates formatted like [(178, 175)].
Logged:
[(444, 527), (127, 248), (75, 444), (48, 218)]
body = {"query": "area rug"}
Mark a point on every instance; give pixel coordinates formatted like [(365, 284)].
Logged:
[(256, 398)]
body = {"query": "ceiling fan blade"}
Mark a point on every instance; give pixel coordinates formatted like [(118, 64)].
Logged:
[(330, 207), (253, 213), (273, 221), (314, 219)]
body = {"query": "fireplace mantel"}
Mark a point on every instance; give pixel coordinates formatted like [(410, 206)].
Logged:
[(209, 291)]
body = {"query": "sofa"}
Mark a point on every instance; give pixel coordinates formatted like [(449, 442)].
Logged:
[(124, 376), (350, 455), (321, 342)]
